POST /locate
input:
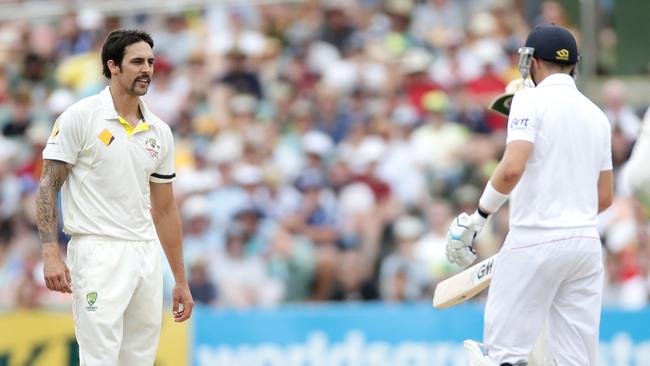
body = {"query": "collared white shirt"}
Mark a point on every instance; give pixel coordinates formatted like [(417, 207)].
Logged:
[(572, 145), (107, 190)]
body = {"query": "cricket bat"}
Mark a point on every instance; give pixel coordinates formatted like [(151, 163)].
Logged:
[(464, 285)]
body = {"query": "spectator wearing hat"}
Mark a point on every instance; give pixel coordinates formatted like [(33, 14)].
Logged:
[(291, 259), (399, 167), (354, 279), (480, 91), (238, 77), (258, 229), (10, 186), (330, 115), (315, 218), (438, 142), (429, 248), (10, 263), (242, 186), (36, 135), (316, 215), (242, 279), (365, 162), (317, 147), (402, 277), (20, 117), (176, 40), (198, 237), (337, 28), (621, 115), (75, 32), (233, 28), (414, 67), (168, 93), (435, 19), (202, 289)]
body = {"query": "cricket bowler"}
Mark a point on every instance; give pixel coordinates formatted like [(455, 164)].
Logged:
[(113, 161)]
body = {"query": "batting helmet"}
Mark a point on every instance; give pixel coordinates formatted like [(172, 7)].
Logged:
[(553, 43)]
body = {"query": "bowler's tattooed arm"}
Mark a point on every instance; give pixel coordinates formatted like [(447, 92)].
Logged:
[(54, 174), (55, 272)]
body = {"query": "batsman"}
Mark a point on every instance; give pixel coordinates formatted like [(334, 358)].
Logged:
[(556, 173)]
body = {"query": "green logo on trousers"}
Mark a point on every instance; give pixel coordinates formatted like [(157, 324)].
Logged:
[(91, 298)]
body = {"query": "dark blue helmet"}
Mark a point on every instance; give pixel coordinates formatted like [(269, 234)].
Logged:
[(554, 44)]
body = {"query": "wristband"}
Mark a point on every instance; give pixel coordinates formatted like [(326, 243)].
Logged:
[(482, 213), (478, 219), (491, 199)]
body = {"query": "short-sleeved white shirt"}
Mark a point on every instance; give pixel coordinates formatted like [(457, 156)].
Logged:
[(571, 145), (107, 190)]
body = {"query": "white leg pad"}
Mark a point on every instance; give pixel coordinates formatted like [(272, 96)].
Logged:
[(475, 355)]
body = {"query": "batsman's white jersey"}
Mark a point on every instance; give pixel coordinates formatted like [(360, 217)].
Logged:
[(572, 139), (114, 253), (550, 266)]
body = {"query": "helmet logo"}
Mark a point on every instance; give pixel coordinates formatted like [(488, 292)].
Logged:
[(562, 55)]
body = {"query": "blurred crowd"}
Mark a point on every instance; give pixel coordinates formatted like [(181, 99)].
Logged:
[(322, 147)]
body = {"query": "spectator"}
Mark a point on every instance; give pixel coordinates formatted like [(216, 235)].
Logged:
[(353, 283), (10, 186), (176, 40), (20, 117), (242, 278), (198, 239), (167, 94), (402, 276), (238, 77), (620, 114), (336, 30), (203, 291), (314, 128), (433, 20)]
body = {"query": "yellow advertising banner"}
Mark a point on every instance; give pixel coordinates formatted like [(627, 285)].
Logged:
[(39, 338)]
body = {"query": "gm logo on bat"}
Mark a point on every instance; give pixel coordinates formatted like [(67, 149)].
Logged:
[(483, 270)]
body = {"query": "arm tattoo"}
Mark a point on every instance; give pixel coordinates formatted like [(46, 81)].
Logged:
[(54, 174)]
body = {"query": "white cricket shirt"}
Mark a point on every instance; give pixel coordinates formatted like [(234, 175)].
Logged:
[(107, 190), (571, 145)]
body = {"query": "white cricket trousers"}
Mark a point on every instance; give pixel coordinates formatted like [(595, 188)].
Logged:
[(117, 300), (559, 280)]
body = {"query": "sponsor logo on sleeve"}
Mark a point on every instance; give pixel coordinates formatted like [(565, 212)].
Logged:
[(518, 123), (53, 134)]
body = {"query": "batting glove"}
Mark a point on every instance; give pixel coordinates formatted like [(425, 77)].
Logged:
[(460, 235)]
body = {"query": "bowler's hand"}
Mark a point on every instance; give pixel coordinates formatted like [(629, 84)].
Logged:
[(460, 235), (182, 302), (55, 271)]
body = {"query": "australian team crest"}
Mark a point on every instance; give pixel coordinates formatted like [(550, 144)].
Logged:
[(152, 147), (91, 299)]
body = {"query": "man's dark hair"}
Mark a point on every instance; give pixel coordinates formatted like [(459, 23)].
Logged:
[(116, 43), (565, 68)]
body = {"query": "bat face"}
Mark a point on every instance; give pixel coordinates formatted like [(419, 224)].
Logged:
[(484, 269), (464, 285)]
